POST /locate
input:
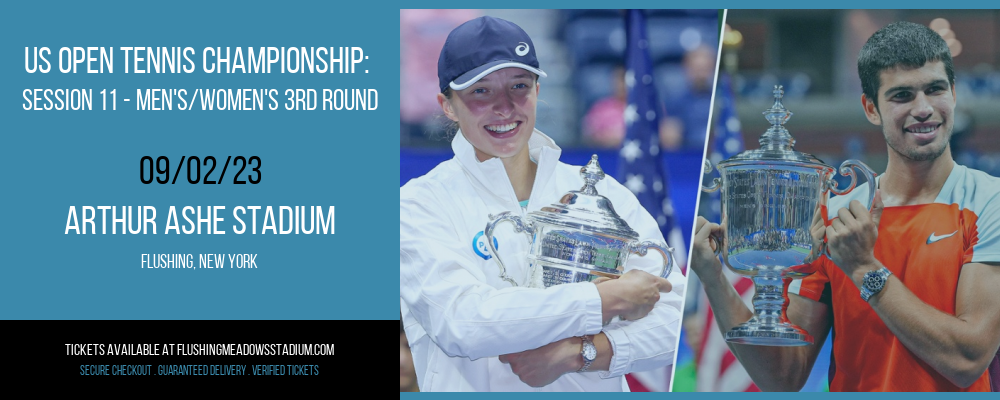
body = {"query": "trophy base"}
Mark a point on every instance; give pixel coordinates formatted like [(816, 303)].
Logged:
[(782, 334)]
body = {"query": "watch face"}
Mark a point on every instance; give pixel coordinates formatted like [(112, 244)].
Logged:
[(874, 280), (589, 352)]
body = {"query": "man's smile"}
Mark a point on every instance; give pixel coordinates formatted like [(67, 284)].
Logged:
[(923, 131)]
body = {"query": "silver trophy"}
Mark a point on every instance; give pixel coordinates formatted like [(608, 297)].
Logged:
[(578, 239), (773, 212)]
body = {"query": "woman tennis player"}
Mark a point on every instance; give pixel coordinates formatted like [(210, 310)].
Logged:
[(468, 329)]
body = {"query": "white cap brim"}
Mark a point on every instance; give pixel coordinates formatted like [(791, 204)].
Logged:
[(467, 79)]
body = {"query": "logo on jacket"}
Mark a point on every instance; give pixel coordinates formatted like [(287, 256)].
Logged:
[(479, 246)]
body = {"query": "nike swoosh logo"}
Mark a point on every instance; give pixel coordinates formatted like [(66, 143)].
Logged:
[(933, 238)]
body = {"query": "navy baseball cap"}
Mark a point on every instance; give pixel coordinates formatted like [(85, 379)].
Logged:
[(479, 47)]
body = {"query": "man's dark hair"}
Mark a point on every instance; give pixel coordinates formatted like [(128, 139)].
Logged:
[(900, 44)]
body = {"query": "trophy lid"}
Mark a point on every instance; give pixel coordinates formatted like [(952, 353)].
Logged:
[(585, 209), (775, 144)]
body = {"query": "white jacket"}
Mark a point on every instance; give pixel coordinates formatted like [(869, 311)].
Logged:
[(459, 315)]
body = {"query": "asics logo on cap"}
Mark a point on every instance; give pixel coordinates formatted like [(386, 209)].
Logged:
[(522, 49)]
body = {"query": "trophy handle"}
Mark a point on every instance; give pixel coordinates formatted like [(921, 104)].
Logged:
[(716, 182), (718, 244), (519, 226), (847, 170), (667, 252), (716, 185)]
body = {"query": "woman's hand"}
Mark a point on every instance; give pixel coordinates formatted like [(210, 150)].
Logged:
[(632, 296), (541, 366)]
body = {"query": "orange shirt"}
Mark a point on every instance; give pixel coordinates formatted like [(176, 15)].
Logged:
[(925, 247)]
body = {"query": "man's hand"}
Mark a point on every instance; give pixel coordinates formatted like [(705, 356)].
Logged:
[(703, 259), (851, 238), (542, 366), (632, 296), (818, 232)]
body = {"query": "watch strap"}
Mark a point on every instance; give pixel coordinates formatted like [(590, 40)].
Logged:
[(588, 343)]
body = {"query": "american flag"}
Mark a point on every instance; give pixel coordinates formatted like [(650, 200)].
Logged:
[(640, 168), (718, 368)]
